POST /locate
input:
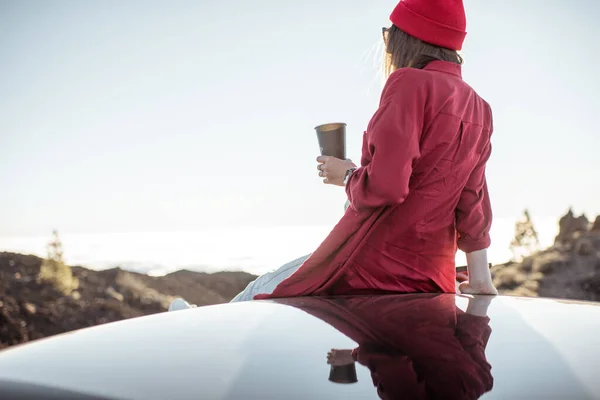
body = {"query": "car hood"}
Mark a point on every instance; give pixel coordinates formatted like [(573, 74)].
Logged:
[(405, 346)]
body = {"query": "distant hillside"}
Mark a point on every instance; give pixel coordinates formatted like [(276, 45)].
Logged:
[(31, 310), (570, 269)]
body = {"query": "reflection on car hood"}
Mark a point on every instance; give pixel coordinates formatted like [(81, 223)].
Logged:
[(401, 346)]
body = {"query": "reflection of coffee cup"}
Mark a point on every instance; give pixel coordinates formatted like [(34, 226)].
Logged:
[(343, 373), (332, 139)]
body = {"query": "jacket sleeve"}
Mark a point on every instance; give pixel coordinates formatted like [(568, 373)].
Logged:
[(393, 147), (474, 211)]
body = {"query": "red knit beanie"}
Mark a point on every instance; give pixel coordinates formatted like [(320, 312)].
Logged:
[(438, 22)]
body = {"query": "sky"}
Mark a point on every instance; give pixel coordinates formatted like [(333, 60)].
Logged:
[(148, 115)]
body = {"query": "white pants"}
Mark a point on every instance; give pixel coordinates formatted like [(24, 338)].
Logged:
[(268, 282)]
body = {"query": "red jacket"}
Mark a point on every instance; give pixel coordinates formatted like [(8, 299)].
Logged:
[(419, 194), (415, 347)]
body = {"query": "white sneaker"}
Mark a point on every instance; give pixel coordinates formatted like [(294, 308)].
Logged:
[(180, 304)]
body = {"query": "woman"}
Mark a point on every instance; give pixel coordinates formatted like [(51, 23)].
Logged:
[(420, 192)]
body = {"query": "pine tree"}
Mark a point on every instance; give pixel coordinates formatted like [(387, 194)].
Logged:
[(526, 241), (54, 270)]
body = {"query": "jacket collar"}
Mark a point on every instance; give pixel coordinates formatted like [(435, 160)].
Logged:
[(445, 66)]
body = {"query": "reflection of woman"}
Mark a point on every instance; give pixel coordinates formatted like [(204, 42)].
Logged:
[(416, 346)]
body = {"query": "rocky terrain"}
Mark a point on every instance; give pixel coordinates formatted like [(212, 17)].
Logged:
[(570, 269), (30, 309)]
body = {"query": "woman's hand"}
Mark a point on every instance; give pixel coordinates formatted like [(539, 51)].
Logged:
[(460, 278), (339, 357), (333, 170), (478, 287), (480, 278)]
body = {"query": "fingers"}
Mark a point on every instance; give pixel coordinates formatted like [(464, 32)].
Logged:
[(464, 287), (324, 159), (322, 170), (332, 169), (467, 288)]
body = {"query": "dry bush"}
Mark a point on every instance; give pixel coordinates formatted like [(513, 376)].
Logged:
[(527, 264), (525, 242), (54, 271), (134, 290), (550, 262), (509, 277), (531, 285)]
